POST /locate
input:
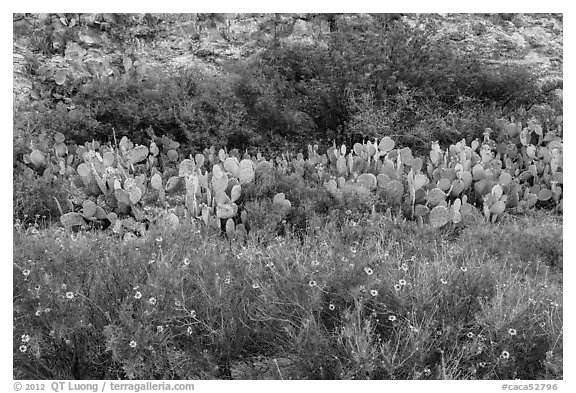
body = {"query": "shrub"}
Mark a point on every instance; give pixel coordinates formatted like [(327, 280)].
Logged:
[(373, 78), (196, 109), (34, 196)]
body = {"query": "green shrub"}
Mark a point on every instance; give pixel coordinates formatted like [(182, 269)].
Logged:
[(34, 196), (372, 78), (196, 109)]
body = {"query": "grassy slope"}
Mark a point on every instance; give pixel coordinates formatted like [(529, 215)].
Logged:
[(370, 299)]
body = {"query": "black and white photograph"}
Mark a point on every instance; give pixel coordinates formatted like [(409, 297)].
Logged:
[(286, 196)]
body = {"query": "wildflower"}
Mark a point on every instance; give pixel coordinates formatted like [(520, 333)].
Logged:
[(315, 262), (554, 304), (402, 282), (160, 328), (26, 272), (312, 283), (133, 344), (463, 268), (38, 313), (348, 212), (397, 287), (159, 239), (353, 250), (151, 261), (404, 267), (227, 280), (23, 348), (186, 261), (351, 265), (138, 295), (331, 307), (255, 285), (362, 288), (504, 355), (177, 303), (189, 330), (392, 318), (549, 355), (413, 329), (34, 231), (193, 313), (344, 259), (152, 300), (368, 271), (69, 295), (512, 332), (25, 338), (470, 335), (444, 282), (374, 292), (482, 364), (427, 371)]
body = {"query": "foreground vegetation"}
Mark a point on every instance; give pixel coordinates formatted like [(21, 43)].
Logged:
[(357, 298), (350, 222)]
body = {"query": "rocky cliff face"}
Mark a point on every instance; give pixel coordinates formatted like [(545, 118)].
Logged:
[(172, 41)]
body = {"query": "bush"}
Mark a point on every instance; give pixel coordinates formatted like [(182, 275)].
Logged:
[(196, 109), (185, 304), (372, 78), (34, 196)]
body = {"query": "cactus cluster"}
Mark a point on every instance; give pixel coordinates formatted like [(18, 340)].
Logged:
[(212, 195), (520, 171)]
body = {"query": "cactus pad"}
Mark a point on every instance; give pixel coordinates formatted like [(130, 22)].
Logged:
[(331, 186), (421, 210), (235, 193), (386, 144), (172, 155), (444, 184), (199, 158), (382, 179), (186, 167), (394, 190), (226, 210), (88, 209), (497, 191), (232, 165), (367, 180), (341, 166), (435, 196), (230, 227), (544, 194), (498, 208), (156, 182), (439, 216), (71, 219), (138, 154), (420, 181)]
